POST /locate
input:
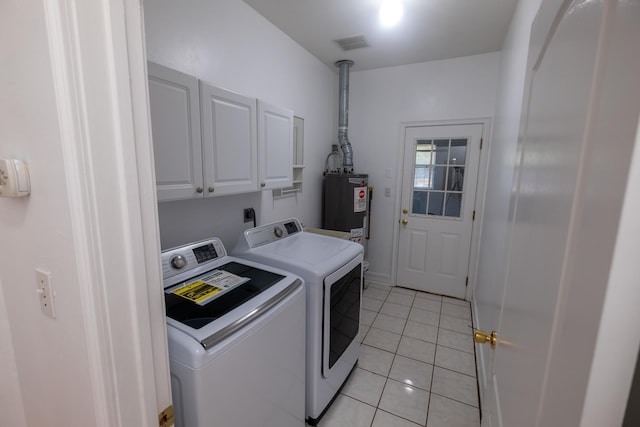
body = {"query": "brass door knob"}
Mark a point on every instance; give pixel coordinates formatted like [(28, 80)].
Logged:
[(405, 221), (482, 337), (405, 211)]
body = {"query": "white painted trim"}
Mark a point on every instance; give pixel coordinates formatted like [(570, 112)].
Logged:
[(480, 190), (136, 127), (480, 354), (612, 371), (481, 194), (100, 87), (147, 195), (378, 279), (62, 35)]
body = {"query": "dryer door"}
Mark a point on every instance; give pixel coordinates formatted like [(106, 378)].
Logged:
[(341, 312)]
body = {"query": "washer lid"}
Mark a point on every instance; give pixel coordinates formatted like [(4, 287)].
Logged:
[(202, 299), (206, 291), (213, 319)]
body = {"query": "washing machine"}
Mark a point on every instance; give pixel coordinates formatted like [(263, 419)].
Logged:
[(236, 339), (332, 271)]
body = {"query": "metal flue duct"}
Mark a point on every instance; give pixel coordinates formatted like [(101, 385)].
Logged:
[(343, 116)]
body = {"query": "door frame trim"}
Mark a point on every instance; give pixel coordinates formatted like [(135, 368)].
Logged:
[(116, 256), (479, 199)]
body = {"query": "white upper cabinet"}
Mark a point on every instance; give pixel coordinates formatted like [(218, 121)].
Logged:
[(205, 139), (275, 146), (175, 124), (230, 144)]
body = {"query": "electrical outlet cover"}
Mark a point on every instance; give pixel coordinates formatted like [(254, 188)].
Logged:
[(45, 292)]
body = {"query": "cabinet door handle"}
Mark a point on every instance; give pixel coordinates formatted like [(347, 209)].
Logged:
[(199, 190), (211, 189), (263, 184)]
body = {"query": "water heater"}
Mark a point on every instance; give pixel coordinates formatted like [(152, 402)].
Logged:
[(345, 204)]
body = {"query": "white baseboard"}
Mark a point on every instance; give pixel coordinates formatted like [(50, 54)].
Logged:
[(378, 279)]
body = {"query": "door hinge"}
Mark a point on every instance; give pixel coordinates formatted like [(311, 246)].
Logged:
[(473, 217), (466, 282), (165, 418), (481, 143)]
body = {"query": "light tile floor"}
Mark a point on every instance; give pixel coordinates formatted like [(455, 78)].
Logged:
[(416, 366)]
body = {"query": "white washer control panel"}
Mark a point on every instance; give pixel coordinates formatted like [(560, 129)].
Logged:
[(178, 260)]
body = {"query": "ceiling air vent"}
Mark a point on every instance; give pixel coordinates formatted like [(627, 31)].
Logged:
[(350, 43)]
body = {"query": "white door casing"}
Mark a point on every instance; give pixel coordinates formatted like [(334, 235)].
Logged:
[(439, 179), (493, 226), (578, 130)]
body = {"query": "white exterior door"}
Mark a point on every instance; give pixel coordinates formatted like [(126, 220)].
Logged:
[(579, 122), (440, 171)]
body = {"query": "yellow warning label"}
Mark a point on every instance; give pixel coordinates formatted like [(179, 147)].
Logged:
[(197, 291)]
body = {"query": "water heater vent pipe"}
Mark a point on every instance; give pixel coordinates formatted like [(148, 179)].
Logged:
[(343, 116)]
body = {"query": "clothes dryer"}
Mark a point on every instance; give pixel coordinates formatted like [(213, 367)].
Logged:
[(332, 271)]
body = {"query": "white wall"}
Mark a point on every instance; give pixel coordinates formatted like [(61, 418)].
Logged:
[(73, 106), (380, 100), (10, 394), (51, 362), (230, 45)]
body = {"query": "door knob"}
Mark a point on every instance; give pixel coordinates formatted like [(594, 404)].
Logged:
[(405, 221), (482, 337), (199, 190), (405, 211)]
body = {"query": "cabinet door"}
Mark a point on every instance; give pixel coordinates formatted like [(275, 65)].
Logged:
[(275, 146), (175, 124), (229, 141)]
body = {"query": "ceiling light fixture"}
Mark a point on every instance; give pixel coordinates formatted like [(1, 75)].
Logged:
[(390, 12)]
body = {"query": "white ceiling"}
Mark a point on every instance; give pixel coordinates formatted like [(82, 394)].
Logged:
[(430, 29)]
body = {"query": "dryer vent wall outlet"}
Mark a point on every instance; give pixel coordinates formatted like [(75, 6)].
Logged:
[(249, 214)]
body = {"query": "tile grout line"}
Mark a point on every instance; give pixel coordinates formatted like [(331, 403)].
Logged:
[(433, 365), (433, 368), (386, 376)]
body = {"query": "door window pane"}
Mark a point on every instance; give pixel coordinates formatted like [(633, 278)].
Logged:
[(441, 151), (453, 204), (419, 204), (436, 199), (439, 177), (455, 179), (424, 152), (423, 177), (458, 152)]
